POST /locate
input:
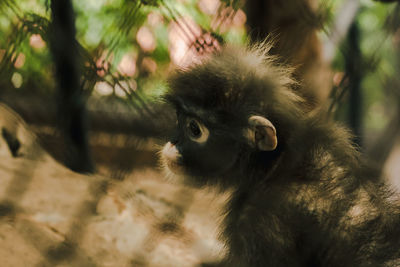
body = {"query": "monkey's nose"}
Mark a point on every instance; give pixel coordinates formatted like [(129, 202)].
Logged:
[(170, 152), (174, 141)]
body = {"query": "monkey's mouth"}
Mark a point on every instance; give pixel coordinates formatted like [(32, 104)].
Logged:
[(172, 158)]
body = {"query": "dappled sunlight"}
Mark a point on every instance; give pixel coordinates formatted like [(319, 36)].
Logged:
[(16, 80), (239, 19), (149, 64), (19, 61), (155, 19), (338, 78), (127, 65), (146, 39), (209, 7), (181, 35), (103, 88), (37, 42), (103, 63)]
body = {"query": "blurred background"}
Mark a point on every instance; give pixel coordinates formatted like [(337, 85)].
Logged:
[(345, 53), (87, 76)]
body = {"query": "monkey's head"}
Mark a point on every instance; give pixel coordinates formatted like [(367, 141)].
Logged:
[(234, 112)]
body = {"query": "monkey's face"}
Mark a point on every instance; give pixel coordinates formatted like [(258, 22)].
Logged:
[(199, 148), (204, 147)]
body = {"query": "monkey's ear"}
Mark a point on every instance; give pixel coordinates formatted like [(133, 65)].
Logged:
[(261, 133)]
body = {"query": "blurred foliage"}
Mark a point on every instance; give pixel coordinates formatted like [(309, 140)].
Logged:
[(380, 60), (127, 44), (116, 63)]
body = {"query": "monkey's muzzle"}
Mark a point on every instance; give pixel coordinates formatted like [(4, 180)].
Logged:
[(172, 158)]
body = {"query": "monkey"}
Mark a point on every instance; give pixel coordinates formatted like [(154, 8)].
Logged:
[(302, 194)]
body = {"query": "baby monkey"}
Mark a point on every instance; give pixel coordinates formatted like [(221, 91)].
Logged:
[(302, 195)]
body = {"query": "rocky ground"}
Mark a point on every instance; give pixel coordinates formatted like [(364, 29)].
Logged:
[(51, 216)]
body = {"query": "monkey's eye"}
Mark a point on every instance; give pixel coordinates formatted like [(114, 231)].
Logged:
[(194, 129), (197, 131)]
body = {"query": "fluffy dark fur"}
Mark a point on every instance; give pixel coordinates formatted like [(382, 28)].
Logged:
[(309, 202)]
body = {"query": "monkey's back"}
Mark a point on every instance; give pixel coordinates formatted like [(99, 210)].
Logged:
[(328, 209)]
